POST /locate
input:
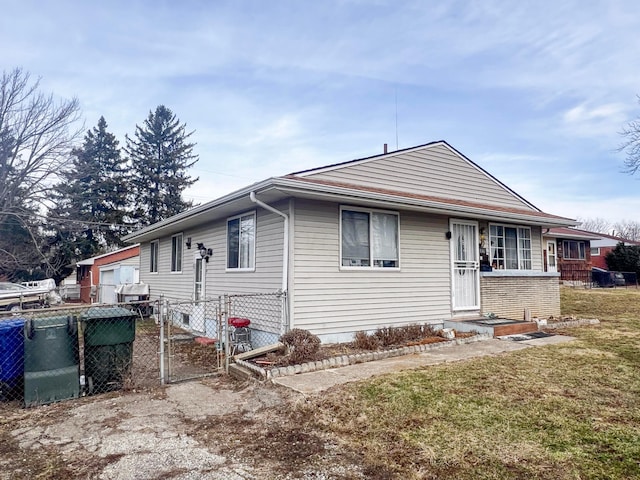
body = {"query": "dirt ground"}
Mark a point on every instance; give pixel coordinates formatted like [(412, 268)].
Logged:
[(215, 428)]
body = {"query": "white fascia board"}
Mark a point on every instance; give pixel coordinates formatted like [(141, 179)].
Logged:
[(159, 229), (575, 236)]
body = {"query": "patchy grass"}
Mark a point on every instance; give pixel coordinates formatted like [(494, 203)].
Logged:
[(560, 412)]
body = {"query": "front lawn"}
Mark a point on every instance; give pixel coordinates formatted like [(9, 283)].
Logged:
[(570, 411)]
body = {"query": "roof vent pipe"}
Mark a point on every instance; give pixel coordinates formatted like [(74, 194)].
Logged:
[(285, 243), (385, 148)]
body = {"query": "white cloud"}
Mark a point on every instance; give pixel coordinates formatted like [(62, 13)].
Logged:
[(284, 128), (607, 119)]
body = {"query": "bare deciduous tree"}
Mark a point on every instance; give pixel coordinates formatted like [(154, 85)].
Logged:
[(36, 136), (631, 145), (597, 225), (627, 229), (35, 139)]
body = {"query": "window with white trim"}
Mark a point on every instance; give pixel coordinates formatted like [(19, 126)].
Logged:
[(573, 250), (369, 238), (510, 247), (153, 256), (176, 253), (241, 242), (595, 251)]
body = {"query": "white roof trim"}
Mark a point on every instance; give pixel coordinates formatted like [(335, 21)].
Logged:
[(90, 261), (160, 226)]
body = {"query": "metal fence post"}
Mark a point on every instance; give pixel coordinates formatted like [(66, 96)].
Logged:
[(161, 308), (225, 326)]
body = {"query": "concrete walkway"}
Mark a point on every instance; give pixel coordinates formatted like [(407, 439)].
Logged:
[(318, 381)]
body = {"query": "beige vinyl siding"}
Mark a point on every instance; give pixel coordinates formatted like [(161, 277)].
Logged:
[(164, 282), (331, 301), (433, 170), (267, 276)]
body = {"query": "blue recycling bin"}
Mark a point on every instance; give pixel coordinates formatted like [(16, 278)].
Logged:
[(11, 358)]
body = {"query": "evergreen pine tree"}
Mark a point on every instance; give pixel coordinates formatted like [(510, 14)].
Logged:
[(160, 155), (92, 199)]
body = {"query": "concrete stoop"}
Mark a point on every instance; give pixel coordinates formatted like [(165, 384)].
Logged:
[(344, 360)]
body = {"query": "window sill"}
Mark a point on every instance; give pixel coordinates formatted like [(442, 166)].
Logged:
[(239, 270)]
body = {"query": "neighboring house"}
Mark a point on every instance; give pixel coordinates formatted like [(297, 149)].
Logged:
[(99, 276), (568, 251), (604, 245), (399, 238)]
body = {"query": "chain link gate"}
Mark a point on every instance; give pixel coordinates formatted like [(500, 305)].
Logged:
[(199, 339), (191, 345)]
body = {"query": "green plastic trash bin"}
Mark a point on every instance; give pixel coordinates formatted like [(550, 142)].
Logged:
[(51, 362), (108, 334)]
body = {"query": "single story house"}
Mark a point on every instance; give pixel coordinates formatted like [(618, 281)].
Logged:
[(99, 276), (419, 235), (568, 251), (603, 245)]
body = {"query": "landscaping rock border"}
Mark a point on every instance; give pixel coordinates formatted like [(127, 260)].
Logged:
[(344, 360), (571, 323)]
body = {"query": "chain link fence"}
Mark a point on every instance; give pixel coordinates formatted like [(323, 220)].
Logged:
[(202, 337), (53, 354)]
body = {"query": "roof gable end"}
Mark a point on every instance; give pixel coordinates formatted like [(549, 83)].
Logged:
[(434, 168)]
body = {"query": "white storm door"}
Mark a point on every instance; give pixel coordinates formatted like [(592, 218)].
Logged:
[(552, 256), (197, 318), (199, 276), (465, 266)]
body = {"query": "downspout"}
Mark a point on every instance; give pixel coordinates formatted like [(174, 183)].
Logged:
[(285, 243)]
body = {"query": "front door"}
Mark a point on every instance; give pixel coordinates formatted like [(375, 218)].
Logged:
[(197, 321), (552, 256), (465, 276), (199, 278)]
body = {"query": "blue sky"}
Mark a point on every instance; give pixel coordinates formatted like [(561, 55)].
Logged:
[(535, 92)]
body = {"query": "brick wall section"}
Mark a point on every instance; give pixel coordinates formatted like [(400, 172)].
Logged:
[(508, 296)]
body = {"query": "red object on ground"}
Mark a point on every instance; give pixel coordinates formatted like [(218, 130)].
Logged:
[(239, 322), (205, 340)]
